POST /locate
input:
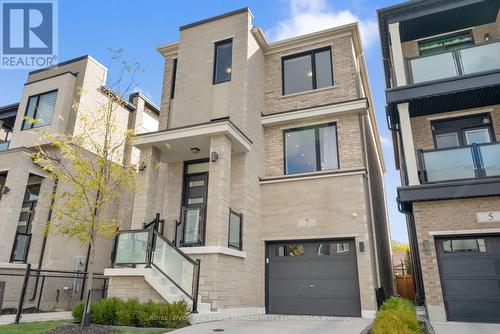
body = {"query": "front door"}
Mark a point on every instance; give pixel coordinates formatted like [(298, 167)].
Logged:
[(193, 209)]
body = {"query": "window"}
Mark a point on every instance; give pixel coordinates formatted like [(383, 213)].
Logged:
[(307, 71), (174, 75), (462, 131), (464, 245), (3, 179), (223, 61), (445, 42), (40, 110), (289, 250), (235, 230), (333, 248), (311, 149)]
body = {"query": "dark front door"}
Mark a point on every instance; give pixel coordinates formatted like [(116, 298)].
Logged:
[(470, 277), (313, 278), (193, 209)]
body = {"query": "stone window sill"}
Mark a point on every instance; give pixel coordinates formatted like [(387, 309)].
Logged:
[(214, 250)]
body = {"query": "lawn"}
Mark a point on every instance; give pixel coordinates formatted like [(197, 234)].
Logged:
[(40, 327)]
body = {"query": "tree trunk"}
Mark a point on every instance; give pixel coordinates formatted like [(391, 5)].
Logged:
[(90, 281)]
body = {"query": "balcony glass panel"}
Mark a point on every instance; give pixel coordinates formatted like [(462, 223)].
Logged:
[(4, 145), (490, 155), (434, 67), (452, 164), (174, 265), (131, 247), (481, 58)]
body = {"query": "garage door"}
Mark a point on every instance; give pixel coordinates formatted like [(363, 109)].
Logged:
[(313, 278), (470, 277)]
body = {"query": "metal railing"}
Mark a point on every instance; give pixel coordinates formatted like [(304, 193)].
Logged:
[(460, 163), (149, 248), (463, 61)]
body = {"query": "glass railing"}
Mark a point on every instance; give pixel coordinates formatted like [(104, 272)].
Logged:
[(4, 145), (190, 229), (461, 163), (131, 247), (21, 247), (468, 60), (178, 267)]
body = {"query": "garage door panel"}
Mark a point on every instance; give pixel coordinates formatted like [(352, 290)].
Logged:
[(470, 277), (320, 281), (290, 287), (344, 307), (334, 288), (472, 287)]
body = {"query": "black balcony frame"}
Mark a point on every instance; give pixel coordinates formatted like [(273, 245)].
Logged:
[(479, 171)]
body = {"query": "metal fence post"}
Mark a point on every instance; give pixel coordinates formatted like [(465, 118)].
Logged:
[(196, 285), (23, 292)]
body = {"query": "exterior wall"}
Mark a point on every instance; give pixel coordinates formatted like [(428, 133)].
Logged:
[(334, 206), (133, 287), (422, 131), (344, 77), (348, 138), (448, 217)]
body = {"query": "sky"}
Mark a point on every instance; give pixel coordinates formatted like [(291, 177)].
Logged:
[(94, 26)]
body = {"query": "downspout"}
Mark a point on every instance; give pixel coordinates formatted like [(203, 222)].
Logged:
[(372, 218)]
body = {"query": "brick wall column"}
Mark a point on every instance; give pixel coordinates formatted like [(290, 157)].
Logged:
[(219, 182), (145, 198), (10, 209)]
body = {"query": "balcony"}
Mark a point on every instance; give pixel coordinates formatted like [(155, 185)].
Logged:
[(190, 230), (477, 161), (4, 145), (455, 63)]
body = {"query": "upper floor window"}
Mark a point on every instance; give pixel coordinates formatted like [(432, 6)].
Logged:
[(462, 131), (3, 179), (174, 75), (307, 71), (445, 42), (39, 110), (311, 149), (223, 61)]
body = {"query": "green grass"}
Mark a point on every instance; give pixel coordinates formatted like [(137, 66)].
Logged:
[(31, 327), (40, 327)]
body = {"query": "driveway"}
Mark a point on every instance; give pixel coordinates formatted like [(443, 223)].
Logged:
[(465, 328), (274, 325)]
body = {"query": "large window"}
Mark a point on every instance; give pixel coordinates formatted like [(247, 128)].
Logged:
[(40, 110), (307, 71), (463, 131), (223, 61), (311, 149), (235, 230), (174, 75), (445, 42)]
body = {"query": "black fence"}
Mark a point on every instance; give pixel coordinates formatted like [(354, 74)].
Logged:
[(28, 292)]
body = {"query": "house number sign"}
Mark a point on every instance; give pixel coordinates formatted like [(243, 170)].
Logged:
[(488, 217)]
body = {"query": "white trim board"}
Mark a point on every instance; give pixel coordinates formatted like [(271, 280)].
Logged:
[(309, 176), (461, 232), (214, 250)]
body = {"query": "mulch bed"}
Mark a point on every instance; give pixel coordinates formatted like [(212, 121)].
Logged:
[(75, 329)]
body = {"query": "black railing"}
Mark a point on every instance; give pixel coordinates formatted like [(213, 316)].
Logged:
[(190, 229), (149, 248), (460, 163)]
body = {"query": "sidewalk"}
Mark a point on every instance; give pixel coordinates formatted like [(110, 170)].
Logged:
[(35, 317), (465, 328)]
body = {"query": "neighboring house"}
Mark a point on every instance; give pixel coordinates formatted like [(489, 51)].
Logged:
[(398, 263), (267, 167), (49, 96), (442, 67)]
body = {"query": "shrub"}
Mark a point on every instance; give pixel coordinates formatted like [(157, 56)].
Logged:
[(114, 311), (77, 311), (396, 316)]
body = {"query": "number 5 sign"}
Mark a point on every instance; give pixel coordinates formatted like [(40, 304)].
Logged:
[(488, 217)]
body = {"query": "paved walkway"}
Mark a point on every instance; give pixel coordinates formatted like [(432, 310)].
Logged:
[(273, 326), (35, 317), (465, 328)]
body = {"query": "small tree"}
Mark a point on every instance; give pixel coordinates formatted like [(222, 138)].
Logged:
[(89, 167), (398, 247)]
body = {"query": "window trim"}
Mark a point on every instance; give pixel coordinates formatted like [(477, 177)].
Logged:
[(316, 127), (216, 44), (36, 110), (231, 211), (460, 131), (311, 53), (174, 76)]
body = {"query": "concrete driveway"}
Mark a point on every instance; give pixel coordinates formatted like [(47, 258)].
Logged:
[(465, 328), (273, 325)]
